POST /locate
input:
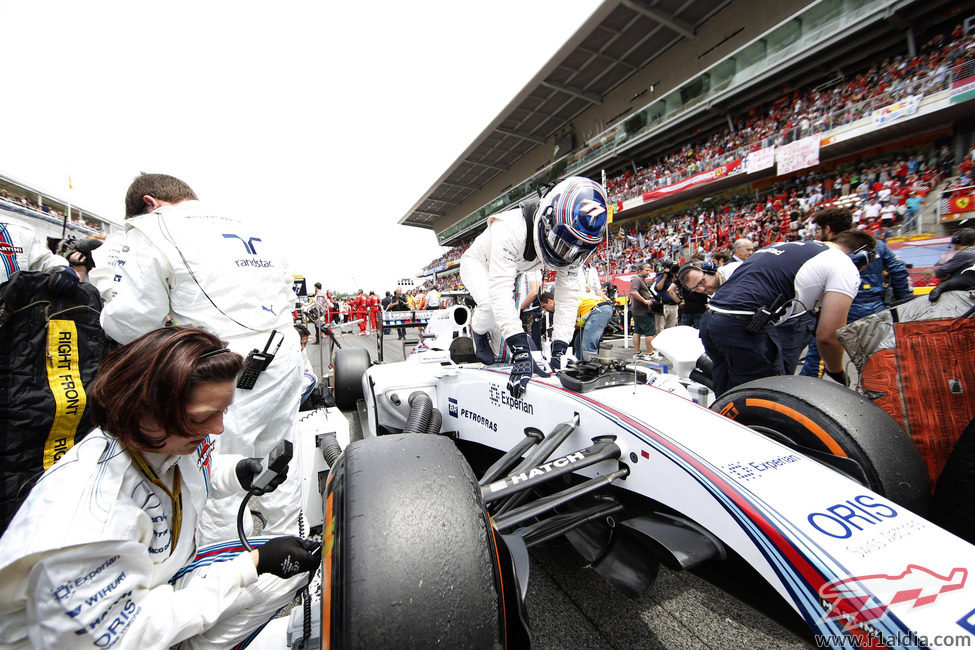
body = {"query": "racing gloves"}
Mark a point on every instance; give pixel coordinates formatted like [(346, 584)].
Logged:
[(522, 364), (249, 469), (558, 349), (288, 556)]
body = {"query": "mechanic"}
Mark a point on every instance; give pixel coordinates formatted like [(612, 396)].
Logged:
[(101, 554), (211, 270), (779, 283), (527, 286), (309, 379), (559, 231), (704, 277), (870, 297), (963, 243), (592, 317), (963, 280)]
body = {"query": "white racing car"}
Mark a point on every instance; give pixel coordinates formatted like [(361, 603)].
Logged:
[(427, 518)]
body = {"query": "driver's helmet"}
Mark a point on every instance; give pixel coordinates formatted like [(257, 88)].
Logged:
[(570, 222)]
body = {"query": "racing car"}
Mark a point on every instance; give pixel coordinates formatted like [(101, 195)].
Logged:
[(427, 518)]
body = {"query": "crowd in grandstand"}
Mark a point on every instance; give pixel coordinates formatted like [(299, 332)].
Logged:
[(803, 113), (25, 202)]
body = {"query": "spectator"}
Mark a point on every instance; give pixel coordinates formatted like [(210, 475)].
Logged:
[(643, 321)]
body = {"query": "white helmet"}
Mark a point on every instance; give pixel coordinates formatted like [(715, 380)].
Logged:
[(570, 222)]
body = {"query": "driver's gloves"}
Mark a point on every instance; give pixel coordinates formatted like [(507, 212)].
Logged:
[(522, 364), (558, 349)]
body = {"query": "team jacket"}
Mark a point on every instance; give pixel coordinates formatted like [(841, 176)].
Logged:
[(202, 267), (87, 561)]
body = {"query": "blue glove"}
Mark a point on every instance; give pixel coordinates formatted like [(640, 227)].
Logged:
[(558, 349), (62, 280), (522, 364)]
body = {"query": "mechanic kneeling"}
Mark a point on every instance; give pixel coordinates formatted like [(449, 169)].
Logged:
[(103, 552)]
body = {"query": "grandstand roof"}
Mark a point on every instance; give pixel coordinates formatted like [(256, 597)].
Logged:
[(620, 38)]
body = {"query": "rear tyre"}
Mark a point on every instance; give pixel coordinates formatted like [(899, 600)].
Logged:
[(349, 365), (413, 558), (822, 418)]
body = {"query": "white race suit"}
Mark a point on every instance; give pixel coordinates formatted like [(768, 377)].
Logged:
[(220, 273), (488, 269), (89, 559)]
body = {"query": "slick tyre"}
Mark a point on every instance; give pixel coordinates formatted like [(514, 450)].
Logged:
[(412, 558), (836, 426), (348, 367)]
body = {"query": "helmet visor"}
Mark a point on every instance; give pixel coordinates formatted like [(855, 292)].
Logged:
[(566, 246)]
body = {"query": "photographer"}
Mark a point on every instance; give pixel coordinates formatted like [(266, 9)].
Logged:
[(667, 288)]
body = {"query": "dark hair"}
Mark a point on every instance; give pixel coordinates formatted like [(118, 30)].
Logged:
[(545, 296), (964, 237), (855, 239), (721, 255), (153, 377), (302, 330), (159, 186), (838, 219), (318, 285)]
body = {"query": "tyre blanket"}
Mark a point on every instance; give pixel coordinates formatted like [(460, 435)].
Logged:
[(50, 348)]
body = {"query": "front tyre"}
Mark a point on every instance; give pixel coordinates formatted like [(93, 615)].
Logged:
[(410, 557), (348, 367), (821, 419)]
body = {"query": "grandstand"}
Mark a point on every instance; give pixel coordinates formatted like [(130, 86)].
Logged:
[(727, 106), (51, 216)]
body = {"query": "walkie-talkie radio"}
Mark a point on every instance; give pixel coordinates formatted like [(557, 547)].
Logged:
[(256, 362)]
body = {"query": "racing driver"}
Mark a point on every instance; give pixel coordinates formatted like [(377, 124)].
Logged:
[(560, 230)]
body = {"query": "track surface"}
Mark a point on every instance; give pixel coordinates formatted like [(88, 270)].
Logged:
[(719, 606)]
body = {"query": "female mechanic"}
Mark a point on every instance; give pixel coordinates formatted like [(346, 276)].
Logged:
[(103, 551)]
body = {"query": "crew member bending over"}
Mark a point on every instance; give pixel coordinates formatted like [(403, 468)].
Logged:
[(103, 553)]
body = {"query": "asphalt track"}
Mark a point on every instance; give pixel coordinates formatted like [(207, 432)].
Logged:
[(720, 605)]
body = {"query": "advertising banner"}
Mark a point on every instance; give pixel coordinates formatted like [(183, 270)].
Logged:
[(891, 112), (798, 155), (756, 161), (734, 167)]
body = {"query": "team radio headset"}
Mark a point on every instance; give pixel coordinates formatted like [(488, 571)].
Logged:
[(256, 362)]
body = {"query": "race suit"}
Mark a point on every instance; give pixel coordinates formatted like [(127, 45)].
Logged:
[(488, 269), (21, 250), (90, 561), (219, 273)]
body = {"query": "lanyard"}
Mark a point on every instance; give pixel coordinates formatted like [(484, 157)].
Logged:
[(174, 495)]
